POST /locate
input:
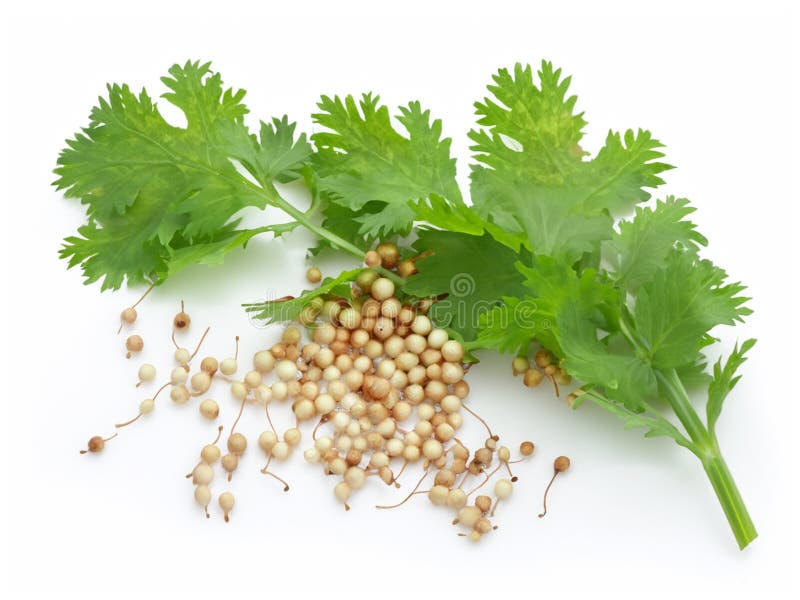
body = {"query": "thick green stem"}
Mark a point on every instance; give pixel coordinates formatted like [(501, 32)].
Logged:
[(709, 454), (676, 395), (730, 499)]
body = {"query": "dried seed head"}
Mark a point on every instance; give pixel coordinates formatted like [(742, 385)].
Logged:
[(209, 409), (519, 365), (237, 444), (483, 503), (226, 502), (229, 462), (128, 315), (314, 275), (209, 365), (503, 489), (543, 358), (210, 453), (389, 255), (181, 321), (561, 464), (504, 454), (483, 456), (134, 343), (469, 515), (532, 377), (406, 268)]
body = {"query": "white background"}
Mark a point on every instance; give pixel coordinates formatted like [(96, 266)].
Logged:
[(633, 518)]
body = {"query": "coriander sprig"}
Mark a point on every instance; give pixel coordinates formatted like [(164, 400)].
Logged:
[(554, 256)]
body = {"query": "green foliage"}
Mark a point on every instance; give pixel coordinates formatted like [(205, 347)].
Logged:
[(547, 252), (158, 196), (531, 176), (361, 159), (725, 379), (469, 283), (675, 312), (290, 308), (644, 242)]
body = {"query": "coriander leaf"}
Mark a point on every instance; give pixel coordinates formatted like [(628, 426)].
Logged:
[(437, 212), (724, 381), (614, 179), (644, 242), (275, 155), (549, 217), (511, 327), (572, 310), (213, 252), (624, 377), (473, 271), (693, 373), (540, 120), (388, 220), (676, 310), (153, 190), (551, 284), (530, 176), (290, 308), (362, 159), (114, 253)]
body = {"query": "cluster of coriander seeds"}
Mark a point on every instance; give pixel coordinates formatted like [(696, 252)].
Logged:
[(382, 386), (544, 365), (385, 389)]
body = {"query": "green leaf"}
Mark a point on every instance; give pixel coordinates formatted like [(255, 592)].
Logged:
[(153, 191), (725, 379), (511, 327), (275, 155), (113, 253), (290, 308), (624, 377), (693, 373), (460, 218), (362, 159), (551, 285), (676, 310), (530, 175), (539, 120), (214, 252), (571, 312), (615, 179), (644, 242), (472, 270), (549, 217)]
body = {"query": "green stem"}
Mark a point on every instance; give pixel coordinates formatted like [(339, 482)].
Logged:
[(673, 389), (276, 200), (707, 450), (731, 500), (303, 218)]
